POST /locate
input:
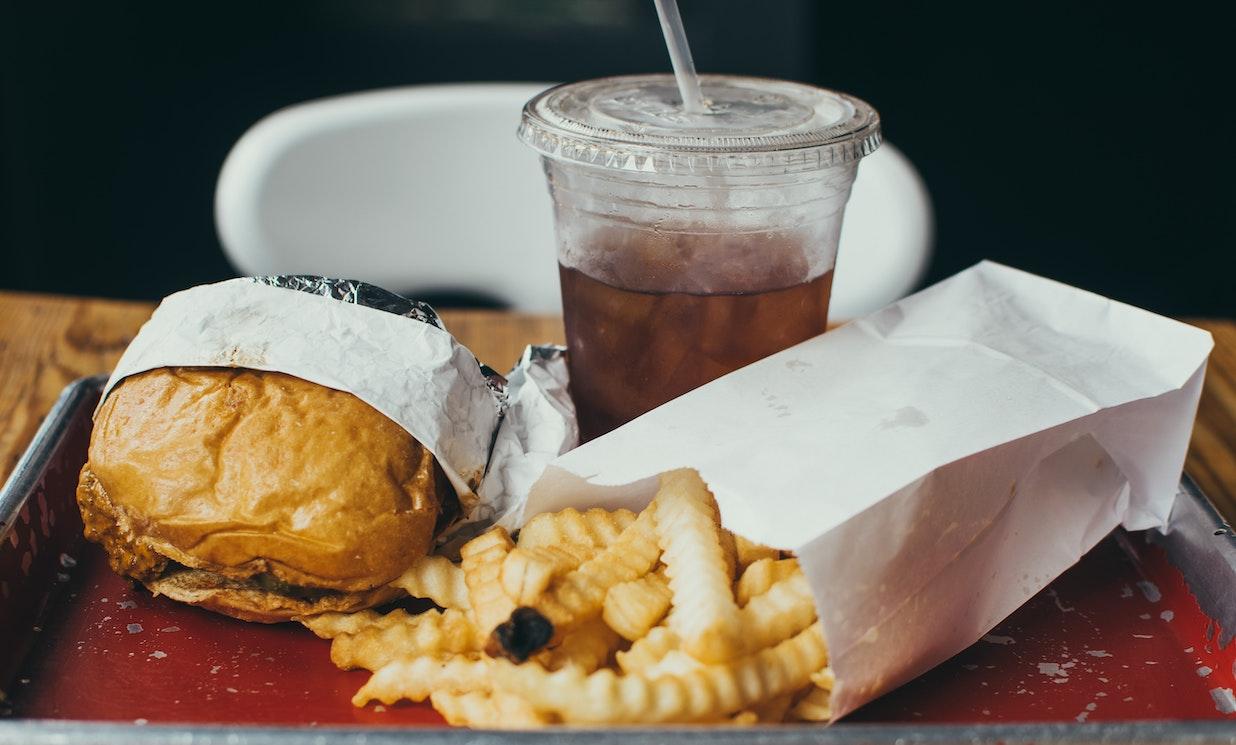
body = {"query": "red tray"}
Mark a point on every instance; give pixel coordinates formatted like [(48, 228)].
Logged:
[(1127, 644)]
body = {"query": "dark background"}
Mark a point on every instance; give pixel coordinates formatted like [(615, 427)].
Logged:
[(1094, 145)]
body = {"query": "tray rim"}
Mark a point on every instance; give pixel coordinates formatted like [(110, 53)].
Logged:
[(37, 731), (21, 482), (1198, 513)]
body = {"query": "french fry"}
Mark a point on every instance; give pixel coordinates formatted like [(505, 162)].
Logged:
[(532, 632), (438, 579), (579, 596), (581, 593), (647, 651), (632, 608), (760, 575), (492, 710), (588, 647), (432, 634), (335, 625), (700, 695), (813, 707), (750, 552), (527, 572), (787, 608), (824, 678), (675, 662), (729, 550), (331, 625), (552, 544), (745, 718), (593, 528), (415, 679), (705, 614), (481, 560), (774, 709)]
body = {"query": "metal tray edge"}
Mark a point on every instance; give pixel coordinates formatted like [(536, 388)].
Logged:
[(1201, 544), (34, 460), (37, 732)]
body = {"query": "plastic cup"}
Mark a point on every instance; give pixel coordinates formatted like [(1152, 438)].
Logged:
[(690, 245)]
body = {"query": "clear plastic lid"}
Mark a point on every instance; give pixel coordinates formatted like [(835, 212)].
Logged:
[(752, 125)]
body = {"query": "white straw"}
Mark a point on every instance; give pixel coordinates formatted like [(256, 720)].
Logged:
[(680, 56)]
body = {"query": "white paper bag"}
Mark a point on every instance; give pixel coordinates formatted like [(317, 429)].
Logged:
[(934, 464)]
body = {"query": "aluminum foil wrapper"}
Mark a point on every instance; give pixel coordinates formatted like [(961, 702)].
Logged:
[(490, 437), (538, 426), (357, 293), (371, 296)]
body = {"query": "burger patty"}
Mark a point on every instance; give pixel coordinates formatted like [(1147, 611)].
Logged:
[(261, 598), (262, 582)]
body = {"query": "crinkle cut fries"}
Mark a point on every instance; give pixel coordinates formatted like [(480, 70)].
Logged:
[(600, 617)]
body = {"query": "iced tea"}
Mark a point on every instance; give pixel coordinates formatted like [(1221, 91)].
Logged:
[(691, 243), (632, 350)]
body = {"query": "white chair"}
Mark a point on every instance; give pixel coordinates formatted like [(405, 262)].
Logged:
[(427, 188)]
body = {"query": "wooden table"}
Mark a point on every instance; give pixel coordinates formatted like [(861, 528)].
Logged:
[(48, 341)]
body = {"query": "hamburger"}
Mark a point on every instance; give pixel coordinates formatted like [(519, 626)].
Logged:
[(257, 494)]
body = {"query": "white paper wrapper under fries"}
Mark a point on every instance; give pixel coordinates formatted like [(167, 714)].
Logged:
[(934, 465)]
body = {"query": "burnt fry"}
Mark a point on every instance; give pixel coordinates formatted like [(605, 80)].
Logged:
[(519, 637)]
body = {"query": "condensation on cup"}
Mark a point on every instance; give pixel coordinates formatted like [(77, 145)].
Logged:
[(690, 245)]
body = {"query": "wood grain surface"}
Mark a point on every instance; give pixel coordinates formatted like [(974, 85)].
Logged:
[(1212, 453), (46, 342)]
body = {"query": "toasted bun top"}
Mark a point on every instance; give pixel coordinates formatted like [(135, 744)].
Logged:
[(242, 472)]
